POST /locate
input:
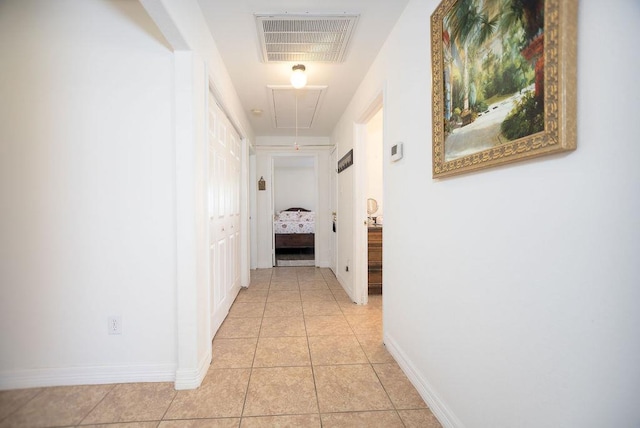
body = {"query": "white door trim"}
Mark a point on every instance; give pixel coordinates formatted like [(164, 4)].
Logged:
[(333, 206), (360, 252), (316, 191), (228, 284)]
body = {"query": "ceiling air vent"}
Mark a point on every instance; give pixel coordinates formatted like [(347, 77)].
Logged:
[(304, 38)]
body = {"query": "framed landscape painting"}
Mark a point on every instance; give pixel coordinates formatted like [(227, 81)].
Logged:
[(504, 81)]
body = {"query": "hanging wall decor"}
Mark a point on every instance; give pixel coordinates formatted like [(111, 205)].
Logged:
[(346, 161), (504, 82)]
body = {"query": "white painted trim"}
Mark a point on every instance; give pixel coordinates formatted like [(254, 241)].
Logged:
[(185, 165), (186, 252), (288, 150), (342, 282), (439, 408), (323, 264), (360, 253), (316, 176), (192, 378), (166, 24), (220, 101), (220, 316), (333, 206), (217, 319), (253, 211), (215, 322), (207, 200), (272, 208), (316, 180), (245, 241), (93, 375), (245, 226)]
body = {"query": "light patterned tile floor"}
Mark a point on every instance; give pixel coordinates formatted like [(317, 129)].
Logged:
[(293, 352)]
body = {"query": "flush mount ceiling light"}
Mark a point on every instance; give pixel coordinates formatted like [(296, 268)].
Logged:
[(298, 77)]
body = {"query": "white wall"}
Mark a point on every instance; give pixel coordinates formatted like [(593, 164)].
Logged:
[(265, 208), (294, 187), (253, 197), (87, 190), (103, 140), (197, 66), (345, 219), (510, 294)]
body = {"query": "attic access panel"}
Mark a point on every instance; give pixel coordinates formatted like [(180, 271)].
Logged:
[(305, 38), (283, 102)]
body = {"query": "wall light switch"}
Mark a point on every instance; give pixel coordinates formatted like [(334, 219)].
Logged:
[(396, 152)]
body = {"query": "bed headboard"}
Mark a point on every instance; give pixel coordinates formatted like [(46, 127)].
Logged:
[(304, 210)]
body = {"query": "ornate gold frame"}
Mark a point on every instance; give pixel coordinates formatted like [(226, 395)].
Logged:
[(559, 135)]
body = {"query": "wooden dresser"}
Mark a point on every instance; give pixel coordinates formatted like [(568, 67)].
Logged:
[(375, 259)]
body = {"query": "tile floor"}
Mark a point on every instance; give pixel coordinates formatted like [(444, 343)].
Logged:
[(293, 352)]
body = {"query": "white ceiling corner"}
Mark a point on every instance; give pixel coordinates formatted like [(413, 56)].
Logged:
[(233, 26)]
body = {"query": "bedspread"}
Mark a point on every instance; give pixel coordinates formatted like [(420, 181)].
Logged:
[(294, 222), (290, 226)]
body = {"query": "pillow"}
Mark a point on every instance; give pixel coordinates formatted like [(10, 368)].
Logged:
[(288, 215)]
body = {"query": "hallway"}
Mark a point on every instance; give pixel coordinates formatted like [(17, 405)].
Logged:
[(293, 352)]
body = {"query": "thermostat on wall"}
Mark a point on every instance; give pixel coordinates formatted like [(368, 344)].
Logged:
[(396, 152)]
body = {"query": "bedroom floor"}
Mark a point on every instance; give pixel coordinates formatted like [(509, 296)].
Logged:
[(293, 352)]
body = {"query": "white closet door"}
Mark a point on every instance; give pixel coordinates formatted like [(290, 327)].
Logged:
[(224, 213)]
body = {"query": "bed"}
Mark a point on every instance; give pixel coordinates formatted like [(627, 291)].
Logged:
[(294, 228)]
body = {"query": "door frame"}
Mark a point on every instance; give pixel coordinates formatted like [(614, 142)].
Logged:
[(273, 196), (244, 238), (360, 254), (333, 206)]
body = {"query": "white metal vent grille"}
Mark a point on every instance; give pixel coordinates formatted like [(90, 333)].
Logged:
[(304, 38)]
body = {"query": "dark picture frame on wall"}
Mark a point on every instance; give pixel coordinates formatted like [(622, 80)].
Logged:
[(345, 161), (504, 82)]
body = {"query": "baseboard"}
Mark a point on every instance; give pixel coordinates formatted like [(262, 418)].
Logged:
[(323, 264), (295, 263), (217, 320), (342, 282), (438, 407), (95, 375), (334, 271), (192, 378), (221, 315)]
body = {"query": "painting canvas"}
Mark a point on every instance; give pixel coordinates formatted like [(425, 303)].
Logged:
[(503, 84)]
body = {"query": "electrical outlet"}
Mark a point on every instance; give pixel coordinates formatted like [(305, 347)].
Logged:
[(114, 325)]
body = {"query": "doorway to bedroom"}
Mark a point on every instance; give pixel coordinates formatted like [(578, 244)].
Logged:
[(295, 197)]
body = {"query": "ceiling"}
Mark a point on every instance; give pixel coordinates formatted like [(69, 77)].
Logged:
[(265, 86)]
